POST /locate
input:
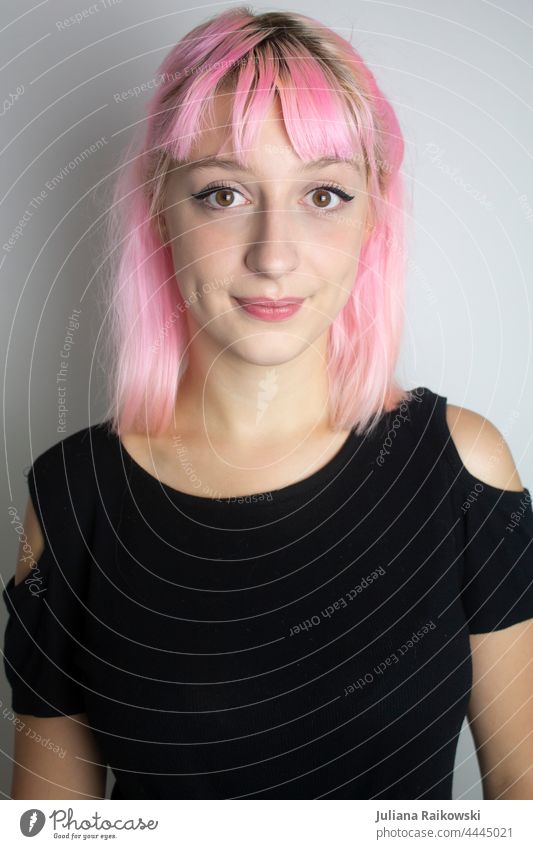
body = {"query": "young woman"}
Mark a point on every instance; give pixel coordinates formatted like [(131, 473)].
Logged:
[(270, 571)]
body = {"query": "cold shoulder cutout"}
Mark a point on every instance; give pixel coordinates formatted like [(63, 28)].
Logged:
[(497, 537)]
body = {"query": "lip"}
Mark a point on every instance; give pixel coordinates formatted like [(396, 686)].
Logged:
[(271, 302), (269, 309)]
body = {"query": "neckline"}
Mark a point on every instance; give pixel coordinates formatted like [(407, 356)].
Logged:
[(290, 491)]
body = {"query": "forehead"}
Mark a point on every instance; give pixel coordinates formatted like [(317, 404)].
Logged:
[(213, 147), (228, 162)]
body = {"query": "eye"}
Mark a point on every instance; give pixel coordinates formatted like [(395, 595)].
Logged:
[(324, 191), (224, 194)]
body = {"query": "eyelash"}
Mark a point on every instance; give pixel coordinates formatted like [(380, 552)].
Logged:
[(202, 196)]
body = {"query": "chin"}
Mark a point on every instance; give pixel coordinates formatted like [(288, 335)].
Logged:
[(265, 350)]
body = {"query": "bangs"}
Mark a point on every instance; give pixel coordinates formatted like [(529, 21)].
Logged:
[(321, 117)]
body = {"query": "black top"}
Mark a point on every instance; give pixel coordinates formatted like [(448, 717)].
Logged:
[(311, 642)]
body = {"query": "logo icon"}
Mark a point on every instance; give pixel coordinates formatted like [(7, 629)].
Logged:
[(31, 822)]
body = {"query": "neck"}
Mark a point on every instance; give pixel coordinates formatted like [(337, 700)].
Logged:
[(228, 399)]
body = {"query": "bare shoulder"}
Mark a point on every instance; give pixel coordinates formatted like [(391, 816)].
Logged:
[(482, 448)]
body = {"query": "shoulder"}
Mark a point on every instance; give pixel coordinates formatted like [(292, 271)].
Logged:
[(66, 468), (482, 448), (77, 447), (63, 479)]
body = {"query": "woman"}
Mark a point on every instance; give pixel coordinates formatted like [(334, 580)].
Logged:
[(271, 571)]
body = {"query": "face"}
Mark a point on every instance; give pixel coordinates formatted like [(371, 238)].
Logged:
[(275, 231)]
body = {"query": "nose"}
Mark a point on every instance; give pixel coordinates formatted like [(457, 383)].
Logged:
[(272, 250)]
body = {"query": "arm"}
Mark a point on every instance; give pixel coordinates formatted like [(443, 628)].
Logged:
[(73, 767), (500, 711), (77, 771)]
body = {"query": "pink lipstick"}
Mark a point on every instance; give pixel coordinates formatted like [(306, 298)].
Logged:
[(269, 309)]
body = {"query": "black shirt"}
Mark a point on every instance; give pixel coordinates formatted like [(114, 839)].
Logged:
[(311, 642)]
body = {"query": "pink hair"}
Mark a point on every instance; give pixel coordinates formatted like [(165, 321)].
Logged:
[(331, 106)]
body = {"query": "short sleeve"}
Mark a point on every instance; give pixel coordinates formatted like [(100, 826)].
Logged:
[(46, 609), (495, 529), (498, 557)]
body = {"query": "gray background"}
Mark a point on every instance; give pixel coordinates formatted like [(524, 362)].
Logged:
[(459, 77)]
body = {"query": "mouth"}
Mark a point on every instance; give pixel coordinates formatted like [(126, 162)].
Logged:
[(269, 309), (270, 302)]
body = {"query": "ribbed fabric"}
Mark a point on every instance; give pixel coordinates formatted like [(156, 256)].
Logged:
[(308, 643)]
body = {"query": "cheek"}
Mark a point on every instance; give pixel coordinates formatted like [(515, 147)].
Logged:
[(337, 263), (337, 272), (339, 236), (201, 250), (348, 250), (194, 264)]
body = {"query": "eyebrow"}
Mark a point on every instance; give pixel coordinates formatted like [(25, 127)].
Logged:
[(227, 162)]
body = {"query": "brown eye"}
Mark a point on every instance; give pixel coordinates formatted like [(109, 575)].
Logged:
[(329, 192), (224, 197), (323, 196)]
